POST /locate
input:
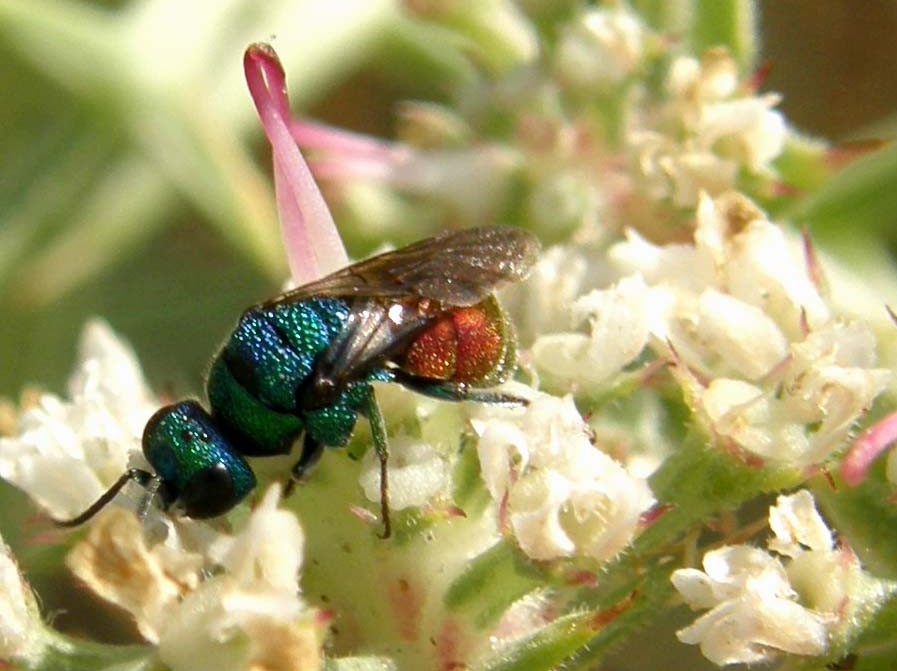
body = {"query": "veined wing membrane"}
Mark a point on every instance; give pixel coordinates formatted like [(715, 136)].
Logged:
[(457, 268)]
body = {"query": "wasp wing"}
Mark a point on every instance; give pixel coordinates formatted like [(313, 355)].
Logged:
[(457, 268), (373, 333), (396, 295)]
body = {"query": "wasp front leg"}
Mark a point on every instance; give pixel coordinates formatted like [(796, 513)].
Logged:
[(311, 452)]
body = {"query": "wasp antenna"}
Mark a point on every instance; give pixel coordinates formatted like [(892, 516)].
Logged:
[(141, 477)]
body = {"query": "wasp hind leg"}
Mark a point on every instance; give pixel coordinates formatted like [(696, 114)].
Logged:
[(451, 391)]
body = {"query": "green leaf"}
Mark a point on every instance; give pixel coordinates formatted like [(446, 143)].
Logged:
[(702, 482), (492, 582), (803, 163), (115, 217), (650, 602), (69, 654), (498, 34), (881, 631), (861, 198), (865, 515), (549, 647)]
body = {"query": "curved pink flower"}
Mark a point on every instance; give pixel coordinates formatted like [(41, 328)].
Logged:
[(312, 242), (875, 440)]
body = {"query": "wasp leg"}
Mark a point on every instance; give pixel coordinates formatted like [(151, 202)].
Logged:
[(311, 452), (452, 391), (378, 433)]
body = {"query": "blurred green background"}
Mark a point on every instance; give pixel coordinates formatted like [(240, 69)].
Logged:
[(117, 118)]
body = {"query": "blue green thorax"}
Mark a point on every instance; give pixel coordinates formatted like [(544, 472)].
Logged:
[(256, 381)]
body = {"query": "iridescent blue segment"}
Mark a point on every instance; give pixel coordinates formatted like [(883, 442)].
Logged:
[(273, 350), (199, 468), (255, 383)]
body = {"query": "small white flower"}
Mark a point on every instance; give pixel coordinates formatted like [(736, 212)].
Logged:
[(268, 551), (830, 382), (714, 77), (417, 473), (762, 359), (251, 616), (67, 453), (618, 325), (797, 525), (564, 496), (601, 48), (763, 268), (679, 267), (20, 624), (689, 173), (760, 607), (221, 627), (746, 341), (749, 130)]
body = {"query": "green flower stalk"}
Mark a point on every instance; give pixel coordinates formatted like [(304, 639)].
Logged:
[(686, 359)]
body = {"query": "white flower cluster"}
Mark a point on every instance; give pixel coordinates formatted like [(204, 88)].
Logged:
[(764, 363), (708, 131), (767, 365), (248, 615), (67, 453), (762, 605), (562, 496)]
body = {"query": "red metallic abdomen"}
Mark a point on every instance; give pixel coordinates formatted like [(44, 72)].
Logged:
[(463, 345)]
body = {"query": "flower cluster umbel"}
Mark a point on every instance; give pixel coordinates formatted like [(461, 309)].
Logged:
[(672, 327)]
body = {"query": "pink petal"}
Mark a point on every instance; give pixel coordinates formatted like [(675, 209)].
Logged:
[(312, 242), (314, 135), (346, 155), (866, 448)]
